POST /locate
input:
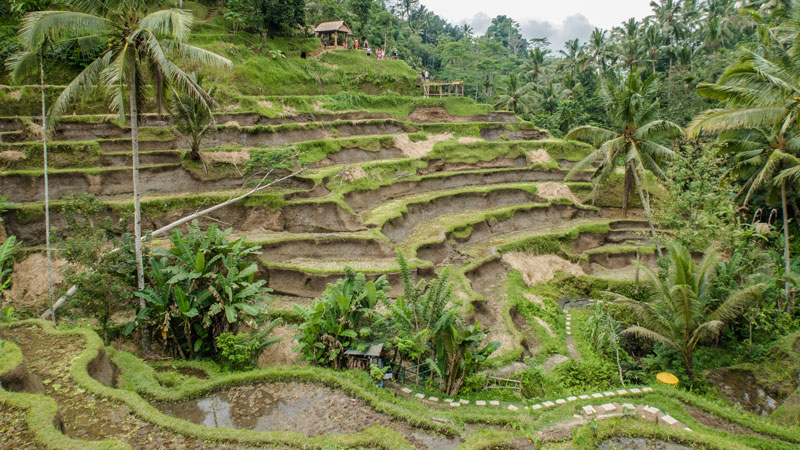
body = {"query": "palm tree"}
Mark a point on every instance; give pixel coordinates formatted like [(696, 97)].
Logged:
[(666, 13), (652, 41), (632, 142), (25, 63), (191, 118), (513, 96), (681, 312), (573, 54), (629, 45), (137, 39), (598, 50), (466, 31), (761, 91), (550, 96), (535, 62)]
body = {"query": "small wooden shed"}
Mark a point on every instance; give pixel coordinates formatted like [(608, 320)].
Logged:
[(363, 360), (334, 28)]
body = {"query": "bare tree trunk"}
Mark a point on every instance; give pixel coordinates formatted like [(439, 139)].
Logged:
[(646, 206), (46, 191), (626, 188), (137, 208), (786, 260)]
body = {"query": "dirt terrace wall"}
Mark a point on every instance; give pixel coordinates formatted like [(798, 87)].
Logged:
[(521, 220), (158, 157), (326, 248), (618, 260), (154, 180), (295, 218), (301, 284), (400, 228), (357, 155), (498, 133), (437, 165), (363, 200), (485, 276)]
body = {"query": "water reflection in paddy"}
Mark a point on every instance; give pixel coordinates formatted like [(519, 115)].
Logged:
[(300, 407)]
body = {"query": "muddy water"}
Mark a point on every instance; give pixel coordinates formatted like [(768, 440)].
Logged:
[(640, 444), (300, 407)]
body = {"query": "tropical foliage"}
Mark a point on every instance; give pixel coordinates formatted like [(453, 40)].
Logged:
[(682, 313), (343, 318), (199, 288)]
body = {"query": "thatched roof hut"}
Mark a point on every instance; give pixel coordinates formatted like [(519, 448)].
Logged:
[(334, 28)]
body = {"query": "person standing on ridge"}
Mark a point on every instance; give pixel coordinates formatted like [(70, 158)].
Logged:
[(356, 44)]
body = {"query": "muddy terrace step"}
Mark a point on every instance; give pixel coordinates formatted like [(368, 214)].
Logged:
[(418, 211), (355, 155), (145, 158), (28, 186), (311, 282), (328, 247), (436, 114), (490, 227), (612, 256), (362, 200), (27, 222)]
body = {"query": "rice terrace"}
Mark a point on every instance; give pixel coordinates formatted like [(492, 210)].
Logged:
[(323, 224)]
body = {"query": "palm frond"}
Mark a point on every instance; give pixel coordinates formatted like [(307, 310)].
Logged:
[(649, 335), (170, 23), (37, 27), (593, 135), (23, 64), (718, 120), (86, 80)]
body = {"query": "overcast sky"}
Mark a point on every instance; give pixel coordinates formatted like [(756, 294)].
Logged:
[(559, 20)]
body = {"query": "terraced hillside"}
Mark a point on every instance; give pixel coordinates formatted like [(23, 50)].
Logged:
[(481, 193)]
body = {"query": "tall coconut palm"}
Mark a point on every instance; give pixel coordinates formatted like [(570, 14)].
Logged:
[(535, 62), (760, 91), (682, 312), (598, 49), (514, 95), (23, 64), (573, 54), (629, 46), (635, 140), (138, 40)]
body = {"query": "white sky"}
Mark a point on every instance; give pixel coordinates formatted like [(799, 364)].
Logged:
[(559, 20)]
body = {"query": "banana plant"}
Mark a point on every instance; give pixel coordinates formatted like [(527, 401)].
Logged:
[(343, 318), (200, 287)]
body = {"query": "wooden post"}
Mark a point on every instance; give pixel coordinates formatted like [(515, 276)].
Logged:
[(335, 38)]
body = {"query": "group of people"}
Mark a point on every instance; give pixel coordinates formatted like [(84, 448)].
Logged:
[(380, 54)]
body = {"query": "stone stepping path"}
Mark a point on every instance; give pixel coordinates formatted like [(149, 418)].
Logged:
[(457, 403), (643, 412)]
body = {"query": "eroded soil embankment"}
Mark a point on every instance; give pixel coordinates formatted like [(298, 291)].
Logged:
[(363, 200), (345, 248), (293, 218), (357, 155), (401, 227), (287, 281), (523, 219), (154, 180)]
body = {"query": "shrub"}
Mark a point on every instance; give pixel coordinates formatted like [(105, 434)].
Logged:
[(343, 318), (241, 351), (201, 287)]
